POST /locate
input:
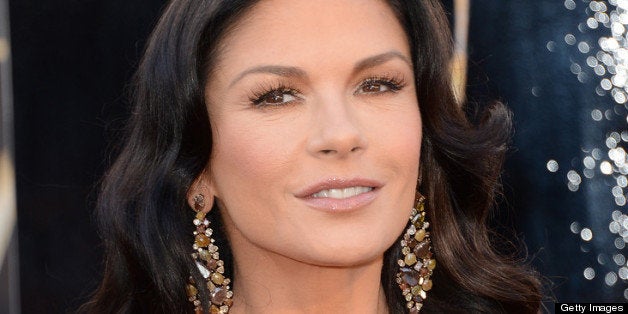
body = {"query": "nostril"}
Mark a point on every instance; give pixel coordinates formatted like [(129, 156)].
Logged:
[(355, 149), (327, 151)]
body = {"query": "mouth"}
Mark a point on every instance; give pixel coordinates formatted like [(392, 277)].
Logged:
[(340, 195), (343, 193)]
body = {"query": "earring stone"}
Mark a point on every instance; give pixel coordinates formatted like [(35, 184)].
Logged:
[(209, 264), (417, 263)]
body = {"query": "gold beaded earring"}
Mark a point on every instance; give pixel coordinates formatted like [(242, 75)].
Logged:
[(416, 264), (208, 262)]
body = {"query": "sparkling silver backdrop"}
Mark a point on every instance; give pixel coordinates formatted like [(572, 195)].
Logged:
[(598, 49), (562, 67)]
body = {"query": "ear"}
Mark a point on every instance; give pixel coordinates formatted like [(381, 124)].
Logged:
[(201, 194)]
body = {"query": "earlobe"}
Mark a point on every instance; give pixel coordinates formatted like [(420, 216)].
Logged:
[(200, 202), (201, 196)]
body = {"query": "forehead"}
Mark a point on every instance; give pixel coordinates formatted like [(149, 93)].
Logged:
[(311, 33)]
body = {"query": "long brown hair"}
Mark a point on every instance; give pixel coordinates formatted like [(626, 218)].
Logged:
[(142, 211)]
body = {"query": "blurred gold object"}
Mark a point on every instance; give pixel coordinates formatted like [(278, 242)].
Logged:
[(4, 50), (8, 215), (459, 61), (459, 76)]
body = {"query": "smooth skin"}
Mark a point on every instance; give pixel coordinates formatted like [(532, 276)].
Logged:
[(309, 94)]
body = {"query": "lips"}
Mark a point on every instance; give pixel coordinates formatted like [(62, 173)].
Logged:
[(339, 195)]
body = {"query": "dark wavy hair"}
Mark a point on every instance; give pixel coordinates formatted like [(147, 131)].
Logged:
[(145, 222)]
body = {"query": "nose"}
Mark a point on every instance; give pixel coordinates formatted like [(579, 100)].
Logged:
[(336, 130)]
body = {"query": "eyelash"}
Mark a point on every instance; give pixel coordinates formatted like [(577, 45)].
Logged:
[(258, 97), (394, 84)]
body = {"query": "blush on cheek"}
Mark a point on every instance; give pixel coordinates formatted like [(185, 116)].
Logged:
[(243, 160), (403, 142)]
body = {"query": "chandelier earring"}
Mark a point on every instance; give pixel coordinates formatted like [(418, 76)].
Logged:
[(416, 263), (208, 262)]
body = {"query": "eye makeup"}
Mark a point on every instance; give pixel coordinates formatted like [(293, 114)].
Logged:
[(380, 84), (274, 94), (279, 93)]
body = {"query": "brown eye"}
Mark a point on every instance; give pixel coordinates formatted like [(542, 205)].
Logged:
[(275, 98), (374, 87), (380, 85)]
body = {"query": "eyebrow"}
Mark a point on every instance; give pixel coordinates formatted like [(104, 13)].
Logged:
[(278, 70), (289, 71), (376, 60)]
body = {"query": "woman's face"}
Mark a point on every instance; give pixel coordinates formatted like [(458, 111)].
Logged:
[(316, 131)]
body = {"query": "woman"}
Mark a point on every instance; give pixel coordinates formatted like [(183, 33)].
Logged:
[(296, 134)]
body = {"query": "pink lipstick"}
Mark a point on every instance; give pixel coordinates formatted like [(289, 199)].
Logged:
[(340, 195)]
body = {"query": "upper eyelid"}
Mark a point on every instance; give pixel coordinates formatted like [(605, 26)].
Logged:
[(393, 79), (263, 88), (381, 79)]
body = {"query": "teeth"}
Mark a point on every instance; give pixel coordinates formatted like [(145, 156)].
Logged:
[(343, 193)]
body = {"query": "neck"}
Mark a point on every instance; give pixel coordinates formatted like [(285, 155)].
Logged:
[(266, 282)]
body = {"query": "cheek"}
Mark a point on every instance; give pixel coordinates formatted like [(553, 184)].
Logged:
[(246, 173), (399, 136), (405, 143), (245, 160)]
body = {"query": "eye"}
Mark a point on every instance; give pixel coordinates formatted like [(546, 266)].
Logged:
[(380, 85), (275, 97), (373, 87)]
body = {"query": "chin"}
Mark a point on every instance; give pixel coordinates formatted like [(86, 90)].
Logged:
[(343, 254)]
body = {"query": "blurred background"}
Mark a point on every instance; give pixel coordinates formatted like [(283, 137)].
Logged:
[(560, 65)]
